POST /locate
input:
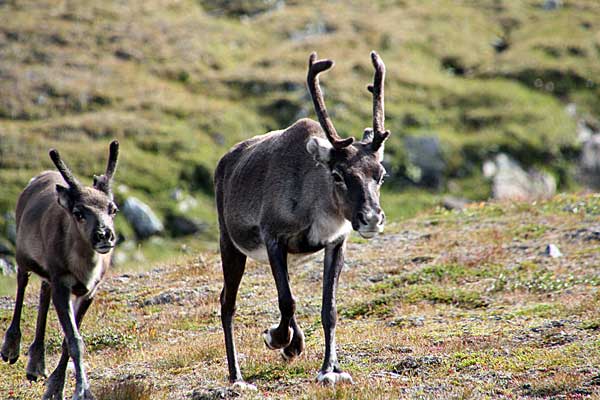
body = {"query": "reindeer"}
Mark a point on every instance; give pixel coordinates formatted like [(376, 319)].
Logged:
[(65, 234), (292, 192)]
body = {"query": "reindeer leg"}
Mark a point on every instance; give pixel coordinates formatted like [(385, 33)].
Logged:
[(233, 263), (73, 345), (12, 339), (36, 366), (280, 336), (330, 372)]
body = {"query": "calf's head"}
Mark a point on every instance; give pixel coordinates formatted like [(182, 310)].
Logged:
[(91, 208), (355, 167)]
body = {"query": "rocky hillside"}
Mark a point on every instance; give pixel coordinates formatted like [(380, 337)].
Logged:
[(467, 304), (178, 82)]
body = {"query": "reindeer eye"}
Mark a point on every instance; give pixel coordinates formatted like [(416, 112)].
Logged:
[(78, 215), (337, 177), (112, 209)]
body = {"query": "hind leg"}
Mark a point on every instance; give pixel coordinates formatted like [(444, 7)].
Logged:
[(234, 263), (12, 339), (36, 367)]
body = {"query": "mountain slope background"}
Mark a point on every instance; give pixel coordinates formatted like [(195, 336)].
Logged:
[(179, 82)]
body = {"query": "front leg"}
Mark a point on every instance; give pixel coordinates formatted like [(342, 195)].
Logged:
[(73, 344), (12, 338), (280, 336), (331, 373)]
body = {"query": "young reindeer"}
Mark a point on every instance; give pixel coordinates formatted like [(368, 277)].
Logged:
[(298, 191), (65, 235)]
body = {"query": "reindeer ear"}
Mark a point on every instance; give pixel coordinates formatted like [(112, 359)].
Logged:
[(320, 149), (367, 135), (380, 152), (65, 198)]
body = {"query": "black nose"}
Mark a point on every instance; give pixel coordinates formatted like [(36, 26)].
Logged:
[(375, 217), (104, 234)]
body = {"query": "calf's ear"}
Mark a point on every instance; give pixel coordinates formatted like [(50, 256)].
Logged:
[(65, 198)]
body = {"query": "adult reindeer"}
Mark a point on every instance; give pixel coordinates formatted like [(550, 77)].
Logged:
[(298, 191), (65, 235)]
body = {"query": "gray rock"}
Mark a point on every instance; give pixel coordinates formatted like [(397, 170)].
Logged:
[(175, 296), (511, 182), (550, 5), (141, 217), (180, 225), (6, 247), (454, 203), (7, 267), (553, 251), (426, 160), (11, 227), (589, 161)]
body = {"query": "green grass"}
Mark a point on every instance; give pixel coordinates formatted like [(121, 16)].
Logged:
[(442, 306), (178, 97)]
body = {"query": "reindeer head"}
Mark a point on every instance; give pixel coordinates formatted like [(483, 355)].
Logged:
[(355, 167), (91, 208)]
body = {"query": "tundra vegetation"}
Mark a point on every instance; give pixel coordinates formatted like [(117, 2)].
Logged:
[(450, 304), (179, 83)]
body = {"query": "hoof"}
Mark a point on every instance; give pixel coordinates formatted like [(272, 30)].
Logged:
[(87, 395), (295, 348), (334, 378), (287, 357), (11, 348), (36, 367), (9, 360), (31, 377), (272, 343), (244, 387)]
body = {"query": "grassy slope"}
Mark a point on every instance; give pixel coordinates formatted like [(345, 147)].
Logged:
[(178, 85), (446, 305)]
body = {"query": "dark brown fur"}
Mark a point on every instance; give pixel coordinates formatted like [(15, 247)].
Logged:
[(297, 191)]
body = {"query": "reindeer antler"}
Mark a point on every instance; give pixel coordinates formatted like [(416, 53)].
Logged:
[(64, 171), (314, 69), (103, 182), (379, 132)]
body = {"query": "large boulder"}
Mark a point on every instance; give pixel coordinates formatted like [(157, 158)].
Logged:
[(511, 182), (7, 267), (589, 161), (141, 217), (426, 160), (10, 226), (180, 225)]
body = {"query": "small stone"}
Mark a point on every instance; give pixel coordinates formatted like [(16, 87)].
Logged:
[(6, 267), (553, 251)]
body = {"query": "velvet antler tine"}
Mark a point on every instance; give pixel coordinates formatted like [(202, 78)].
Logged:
[(113, 155), (64, 170), (314, 69), (379, 132)]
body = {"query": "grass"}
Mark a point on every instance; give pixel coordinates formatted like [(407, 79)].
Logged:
[(423, 312), (213, 73)]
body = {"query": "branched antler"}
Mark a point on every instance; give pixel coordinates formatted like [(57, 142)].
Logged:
[(65, 171), (379, 132), (314, 69)]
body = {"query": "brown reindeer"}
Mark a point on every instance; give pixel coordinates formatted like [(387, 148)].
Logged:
[(298, 191), (65, 234)]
